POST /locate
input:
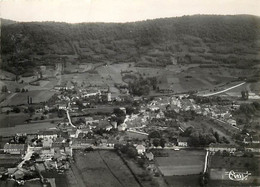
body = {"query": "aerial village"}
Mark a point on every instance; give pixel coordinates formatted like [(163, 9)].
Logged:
[(143, 124)]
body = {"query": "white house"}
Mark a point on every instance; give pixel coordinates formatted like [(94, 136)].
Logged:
[(122, 127), (221, 148), (47, 135), (232, 122), (62, 106), (91, 93), (183, 142), (140, 149)]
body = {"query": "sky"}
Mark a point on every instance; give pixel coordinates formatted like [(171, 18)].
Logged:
[(75, 11)]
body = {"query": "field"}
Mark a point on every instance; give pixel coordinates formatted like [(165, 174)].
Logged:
[(9, 161), (47, 84), (105, 165), (82, 79), (183, 162), (12, 120), (236, 163), (134, 135), (143, 175), (187, 180), (26, 128), (11, 85), (37, 96), (11, 183), (220, 167), (6, 75), (74, 68), (60, 179)]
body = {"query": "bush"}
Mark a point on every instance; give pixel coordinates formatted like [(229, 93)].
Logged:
[(154, 134), (16, 110)]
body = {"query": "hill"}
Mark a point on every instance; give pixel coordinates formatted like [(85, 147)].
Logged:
[(229, 41)]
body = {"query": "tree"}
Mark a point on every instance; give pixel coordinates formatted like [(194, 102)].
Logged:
[(248, 109), (31, 109), (4, 89), (162, 143), (16, 110), (244, 95), (141, 162), (225, 140), (17, 90), (203, 179), (217, 136), (225, 153), (129, 110), (80, 104), (88, 149), (118, 112), (60, 113), (187, 132), (154, 134), (156, 142), (132, 152), (256, 105)]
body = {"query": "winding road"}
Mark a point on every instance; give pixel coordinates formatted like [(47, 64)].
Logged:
[(230, 88), (68, 115)]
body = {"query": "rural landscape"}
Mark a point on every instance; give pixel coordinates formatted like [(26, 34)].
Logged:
[(162, 102)]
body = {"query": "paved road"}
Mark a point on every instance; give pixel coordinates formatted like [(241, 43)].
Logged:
[(230, 88), (26, 157), (68, 115), (206, 162)]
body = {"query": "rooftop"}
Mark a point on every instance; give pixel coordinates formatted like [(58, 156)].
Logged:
[(14, 146)]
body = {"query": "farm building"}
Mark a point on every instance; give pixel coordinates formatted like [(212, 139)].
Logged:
[(183, 141), (252, 148), (14, 148), (47, 135), (165, 88), (221, 148), (62, 106), (252, 140)]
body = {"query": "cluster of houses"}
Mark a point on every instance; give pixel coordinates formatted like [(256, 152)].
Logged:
[(42, 152), (181, 103)]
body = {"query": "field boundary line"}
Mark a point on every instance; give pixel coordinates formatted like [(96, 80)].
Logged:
[(110, 170), (125, 162)]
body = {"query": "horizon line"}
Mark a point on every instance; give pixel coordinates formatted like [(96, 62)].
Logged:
[(117, 22)]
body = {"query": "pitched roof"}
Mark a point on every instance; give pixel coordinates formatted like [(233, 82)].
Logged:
[(149, 155), (47, 132), (183, 139), (14, 146), (140, 147), (216, 145)]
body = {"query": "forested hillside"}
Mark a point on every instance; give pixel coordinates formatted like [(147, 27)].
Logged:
[(204, 39)]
